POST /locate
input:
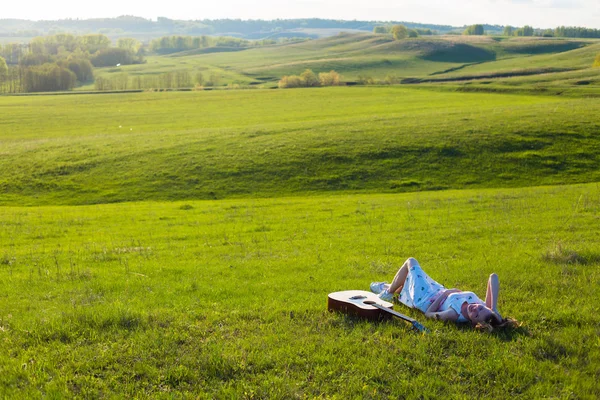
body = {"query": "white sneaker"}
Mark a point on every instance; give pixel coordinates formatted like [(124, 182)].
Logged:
[(386, 296), (378, 287)]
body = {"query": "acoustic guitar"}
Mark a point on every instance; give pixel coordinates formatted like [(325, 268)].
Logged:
[(367, 305)]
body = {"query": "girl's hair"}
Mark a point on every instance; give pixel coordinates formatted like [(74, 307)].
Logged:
[(496, 322)]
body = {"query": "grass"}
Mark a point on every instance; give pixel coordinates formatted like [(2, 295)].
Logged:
[(377, 56), (238, 211), (216, 299), (201, 145)]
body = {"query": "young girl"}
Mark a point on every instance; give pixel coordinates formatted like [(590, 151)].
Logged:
[(416, 289)]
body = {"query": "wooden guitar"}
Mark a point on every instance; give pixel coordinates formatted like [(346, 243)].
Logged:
[(367, 305)]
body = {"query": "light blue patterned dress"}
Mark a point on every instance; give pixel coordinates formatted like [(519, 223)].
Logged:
[(456, 300), (419, 289)]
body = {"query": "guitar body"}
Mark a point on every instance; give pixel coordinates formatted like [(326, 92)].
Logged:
[(352, 302), (367, 305)]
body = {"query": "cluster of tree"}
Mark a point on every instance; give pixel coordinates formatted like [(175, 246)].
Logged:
[(400, 32), (387, 29), (523, 31), (561, 31), (168, 80), (476, 29), (58, 62), (576, 32), (173, 44), (309, 79), (37, 78)]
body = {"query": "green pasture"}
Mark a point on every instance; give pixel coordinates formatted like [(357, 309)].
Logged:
[(227, 299), (378, 56), (85, 149), (182, 244)]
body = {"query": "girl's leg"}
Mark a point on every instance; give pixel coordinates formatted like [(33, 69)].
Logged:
[(398, 282), (493, 290)]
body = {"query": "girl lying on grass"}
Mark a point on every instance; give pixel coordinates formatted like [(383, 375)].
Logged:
[(416, 289)]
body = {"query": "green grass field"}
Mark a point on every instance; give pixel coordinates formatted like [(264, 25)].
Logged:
[(172, 146), (379, 56), (182, 244), (227, 299)]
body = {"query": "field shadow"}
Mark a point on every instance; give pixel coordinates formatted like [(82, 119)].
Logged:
[(561, 255), (350, 322), (460, 53), (507, 334)]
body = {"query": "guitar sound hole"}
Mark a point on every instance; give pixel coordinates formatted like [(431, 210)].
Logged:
[(369, 302)]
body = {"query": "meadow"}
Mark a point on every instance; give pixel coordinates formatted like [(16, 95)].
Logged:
[(227, 299), (87, 149), (182, 244)]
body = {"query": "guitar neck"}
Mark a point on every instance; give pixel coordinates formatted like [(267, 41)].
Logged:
[(394, 313), (416, 324)]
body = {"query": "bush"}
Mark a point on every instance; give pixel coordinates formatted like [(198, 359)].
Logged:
[(309, 78), (392, 80), (399, 32), (292, 81), (330, 78), (381, 29), (597, 61), (366, 80)]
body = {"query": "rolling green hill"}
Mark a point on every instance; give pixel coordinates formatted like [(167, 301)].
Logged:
[(435, 59), (197, 145)]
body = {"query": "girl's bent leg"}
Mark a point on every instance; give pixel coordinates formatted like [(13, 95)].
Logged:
[(493, 290), (400, 278)]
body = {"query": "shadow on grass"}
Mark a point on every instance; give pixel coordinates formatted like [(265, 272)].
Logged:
[(507, 334), (559, 254)]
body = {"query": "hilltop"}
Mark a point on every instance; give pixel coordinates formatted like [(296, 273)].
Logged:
[(380, 57)]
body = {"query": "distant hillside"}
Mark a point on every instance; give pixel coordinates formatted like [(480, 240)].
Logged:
[(252, 29), (367, 58)]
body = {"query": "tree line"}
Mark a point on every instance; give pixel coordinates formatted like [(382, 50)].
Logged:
[(173, 44), (248, 29), (168, 80), (59, 62), (527, 30), (400, 31)]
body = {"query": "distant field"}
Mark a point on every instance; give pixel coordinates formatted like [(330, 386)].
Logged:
[(202, 145), (227, 299), (379, 56)]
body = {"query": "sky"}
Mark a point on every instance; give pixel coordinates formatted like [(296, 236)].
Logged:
[(537, 13)]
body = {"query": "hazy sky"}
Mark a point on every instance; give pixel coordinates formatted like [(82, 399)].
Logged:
[(539, 13)]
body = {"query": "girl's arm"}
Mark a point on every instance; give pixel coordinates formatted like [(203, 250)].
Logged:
[(449, 315)]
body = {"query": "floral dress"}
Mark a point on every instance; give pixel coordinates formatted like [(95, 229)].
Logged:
[(419, 289), (455, 301)]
